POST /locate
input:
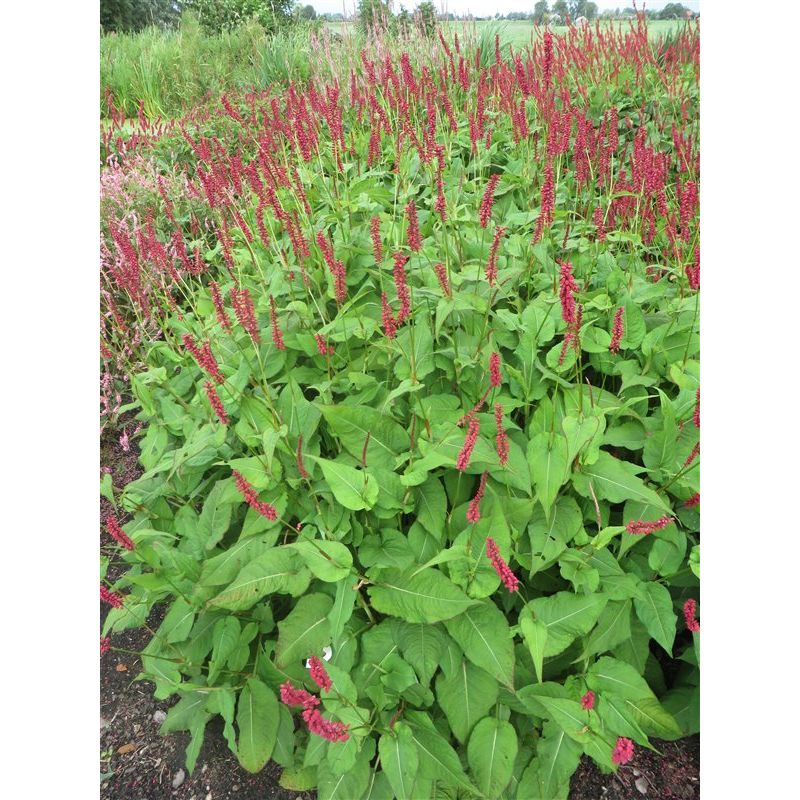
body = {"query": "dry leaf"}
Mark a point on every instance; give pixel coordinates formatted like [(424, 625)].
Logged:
[(122, 667), (126, 748)]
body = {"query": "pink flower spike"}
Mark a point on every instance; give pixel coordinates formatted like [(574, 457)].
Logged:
[(291, 696), (617, 331), (318, 725), (495, 379), (116, 533), (500, 566), (251, 496), (587, 701), (644, 527), (623, 751), (462, 462), (105, 645), (319, 674), (474, 510), (690, 615), (501, 442), (112, 598)]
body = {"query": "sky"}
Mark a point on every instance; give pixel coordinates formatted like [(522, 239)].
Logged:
[(484, 8)]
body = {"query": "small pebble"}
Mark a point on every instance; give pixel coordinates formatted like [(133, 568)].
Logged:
[(159, 716), (641, 784), (180, 777)]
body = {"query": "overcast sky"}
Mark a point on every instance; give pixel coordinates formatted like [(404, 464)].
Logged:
[(483, 8)]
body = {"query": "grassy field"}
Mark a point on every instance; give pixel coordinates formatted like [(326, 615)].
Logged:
[(172, 71)]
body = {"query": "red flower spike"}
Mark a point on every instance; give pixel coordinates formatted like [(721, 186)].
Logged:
[(401, 285), (693, 501), (642, 527), (112, 598), (116, 532), (277, 335), (324, 348), (251, 496), (623, 751), (319, 726), (696, 416), (389, 324), (441, 276), (474, 510), (508, 578), (495, 379), (219, 308), (617, 331), (462, 462), (105, 645), (290, 696), (413, 234), (587, 701), (690, 614), (485, 212), (692, 456), (375, 233), (319, 674), (502, 437), (216, 402), (491, 264), (566, 290)]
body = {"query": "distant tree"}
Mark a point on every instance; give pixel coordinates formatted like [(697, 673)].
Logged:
[(426, 18), (404, 21), (127, 16), (582, 8), (224, 15), (673, 11), (539, 10), (306, 12)]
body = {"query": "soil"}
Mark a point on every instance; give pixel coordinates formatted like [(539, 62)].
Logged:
[(137, 763), (675, 775)]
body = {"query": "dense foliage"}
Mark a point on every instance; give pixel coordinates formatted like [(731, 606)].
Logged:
[(414, 356)]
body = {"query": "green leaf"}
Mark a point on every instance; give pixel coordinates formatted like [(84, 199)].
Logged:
[(329, 561), (342, 609), (431, 506), (659, 449), (485, 637), (305, 631), (427, 596), (616, 481), (547, 776), (613, 627), (399, 760), (415, 342), (548, 459), (566, 616), (491, 752), (226, 638), (534, 632), (354, 489), (437, 760), (184, 713), (277, 570), (215, 516), (653, 606), (422, 646), (465, 696), (257, 720), (352, 424), (177, 623)]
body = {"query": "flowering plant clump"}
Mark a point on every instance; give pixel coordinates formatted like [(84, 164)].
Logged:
[(420, 427)]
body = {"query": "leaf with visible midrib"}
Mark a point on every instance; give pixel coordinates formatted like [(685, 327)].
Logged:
[(352, 424), (257, 720), (354, 489), (305, 631), (399, 759), (653, 606), (427, 596), (548, 461), (465, 696), (485, 637), (491, 752)]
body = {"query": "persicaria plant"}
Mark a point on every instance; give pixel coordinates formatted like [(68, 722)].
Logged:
[(419, 394)]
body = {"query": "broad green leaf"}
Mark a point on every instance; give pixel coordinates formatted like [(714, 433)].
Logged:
[(305, 631), (277, 570), (610, 675), (659, 449), (215, 516), (437, 759), (534, 631), (346, 785), (566, 617), (178, 622), (613, 627), (491, 752), (483, 634), (465, 696), (225, 641), (431, 506), (584, 435), (653, 606), (547, 776), (427, 596), (185, 713), (352, 425), (615, 480), (415, 342), (343, 605), (257, 720), (399, 760), (354, 489), (329, 561), (548, 460), (422, 646)]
